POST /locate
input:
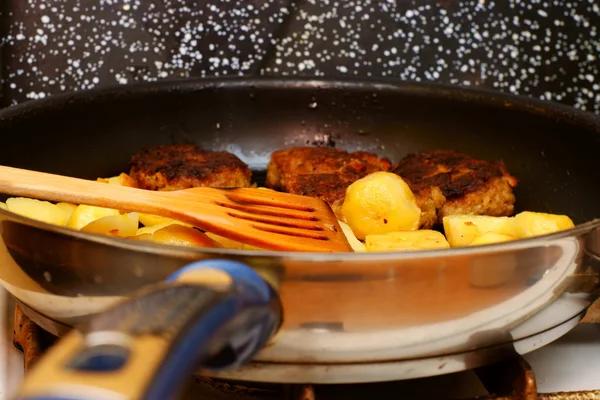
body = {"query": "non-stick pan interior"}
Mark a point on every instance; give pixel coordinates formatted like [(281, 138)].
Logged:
[(551, 151)]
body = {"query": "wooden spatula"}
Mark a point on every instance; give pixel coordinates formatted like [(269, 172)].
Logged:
[(262, 218)]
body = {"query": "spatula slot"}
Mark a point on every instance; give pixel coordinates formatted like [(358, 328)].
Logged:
[(292, 223), (273, 211), (290, 232)]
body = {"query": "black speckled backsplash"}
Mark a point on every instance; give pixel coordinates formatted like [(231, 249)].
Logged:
[(548, 49)]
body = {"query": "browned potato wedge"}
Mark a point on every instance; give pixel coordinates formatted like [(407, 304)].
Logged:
[(231, 244), (149, 237), (153, 228), (179, 235)]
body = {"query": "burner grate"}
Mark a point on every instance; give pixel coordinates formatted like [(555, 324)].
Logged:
[(511, 379)]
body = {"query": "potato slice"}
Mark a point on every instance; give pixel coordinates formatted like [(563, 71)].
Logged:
[(84, 214), (225, 242), (528, 224), (492, 237), (151, 220), (116, 225), (380, 203), (356, 244), (179, 235), (405, 241), (153, 228), (68, 207), (148, 232), (462, 229), (149, 237), (3, 206), (231, 244), (122, 180), (37, 209)]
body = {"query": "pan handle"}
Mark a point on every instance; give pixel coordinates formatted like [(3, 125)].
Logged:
[(213, 314)]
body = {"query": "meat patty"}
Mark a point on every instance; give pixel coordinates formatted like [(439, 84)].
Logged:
[(446, 182), (321, 172), (183, 166)]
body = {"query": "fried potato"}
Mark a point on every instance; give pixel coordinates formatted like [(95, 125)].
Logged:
[(68, 208), (149, 237), (179, 235), (356, 244), (528, 224), (175, 234), (3, 206), (146, 219), (231, 244), (462, 229), (492, 237), (225, 242), (380, 203), (122, 180), (424, 239), (122, 225), (37, 209), (84, 215), (153, 228), (151, 220)]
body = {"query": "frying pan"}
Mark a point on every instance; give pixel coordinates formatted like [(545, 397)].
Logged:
[(346, 317)]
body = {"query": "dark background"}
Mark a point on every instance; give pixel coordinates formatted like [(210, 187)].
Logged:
[(546, 49)]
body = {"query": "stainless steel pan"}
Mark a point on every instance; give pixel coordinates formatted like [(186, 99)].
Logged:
[(346, 317)]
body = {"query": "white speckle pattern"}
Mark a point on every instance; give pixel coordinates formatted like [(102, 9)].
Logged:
[(548, 50)]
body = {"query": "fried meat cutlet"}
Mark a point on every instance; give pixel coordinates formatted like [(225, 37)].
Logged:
[(446, 182), (183, 166), (321, 172)]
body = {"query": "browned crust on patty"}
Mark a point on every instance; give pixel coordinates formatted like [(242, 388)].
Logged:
[(324, 173), (446, 182), (183, 166), (328, 187)]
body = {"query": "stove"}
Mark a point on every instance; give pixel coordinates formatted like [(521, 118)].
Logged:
[(566, 369)]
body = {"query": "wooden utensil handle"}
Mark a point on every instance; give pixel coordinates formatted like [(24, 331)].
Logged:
[(44, 186)]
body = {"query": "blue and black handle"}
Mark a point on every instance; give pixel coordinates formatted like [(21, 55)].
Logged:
[(213, 315)]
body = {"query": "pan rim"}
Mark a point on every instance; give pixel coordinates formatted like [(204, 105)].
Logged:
[(417, 88), (482, 96)]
